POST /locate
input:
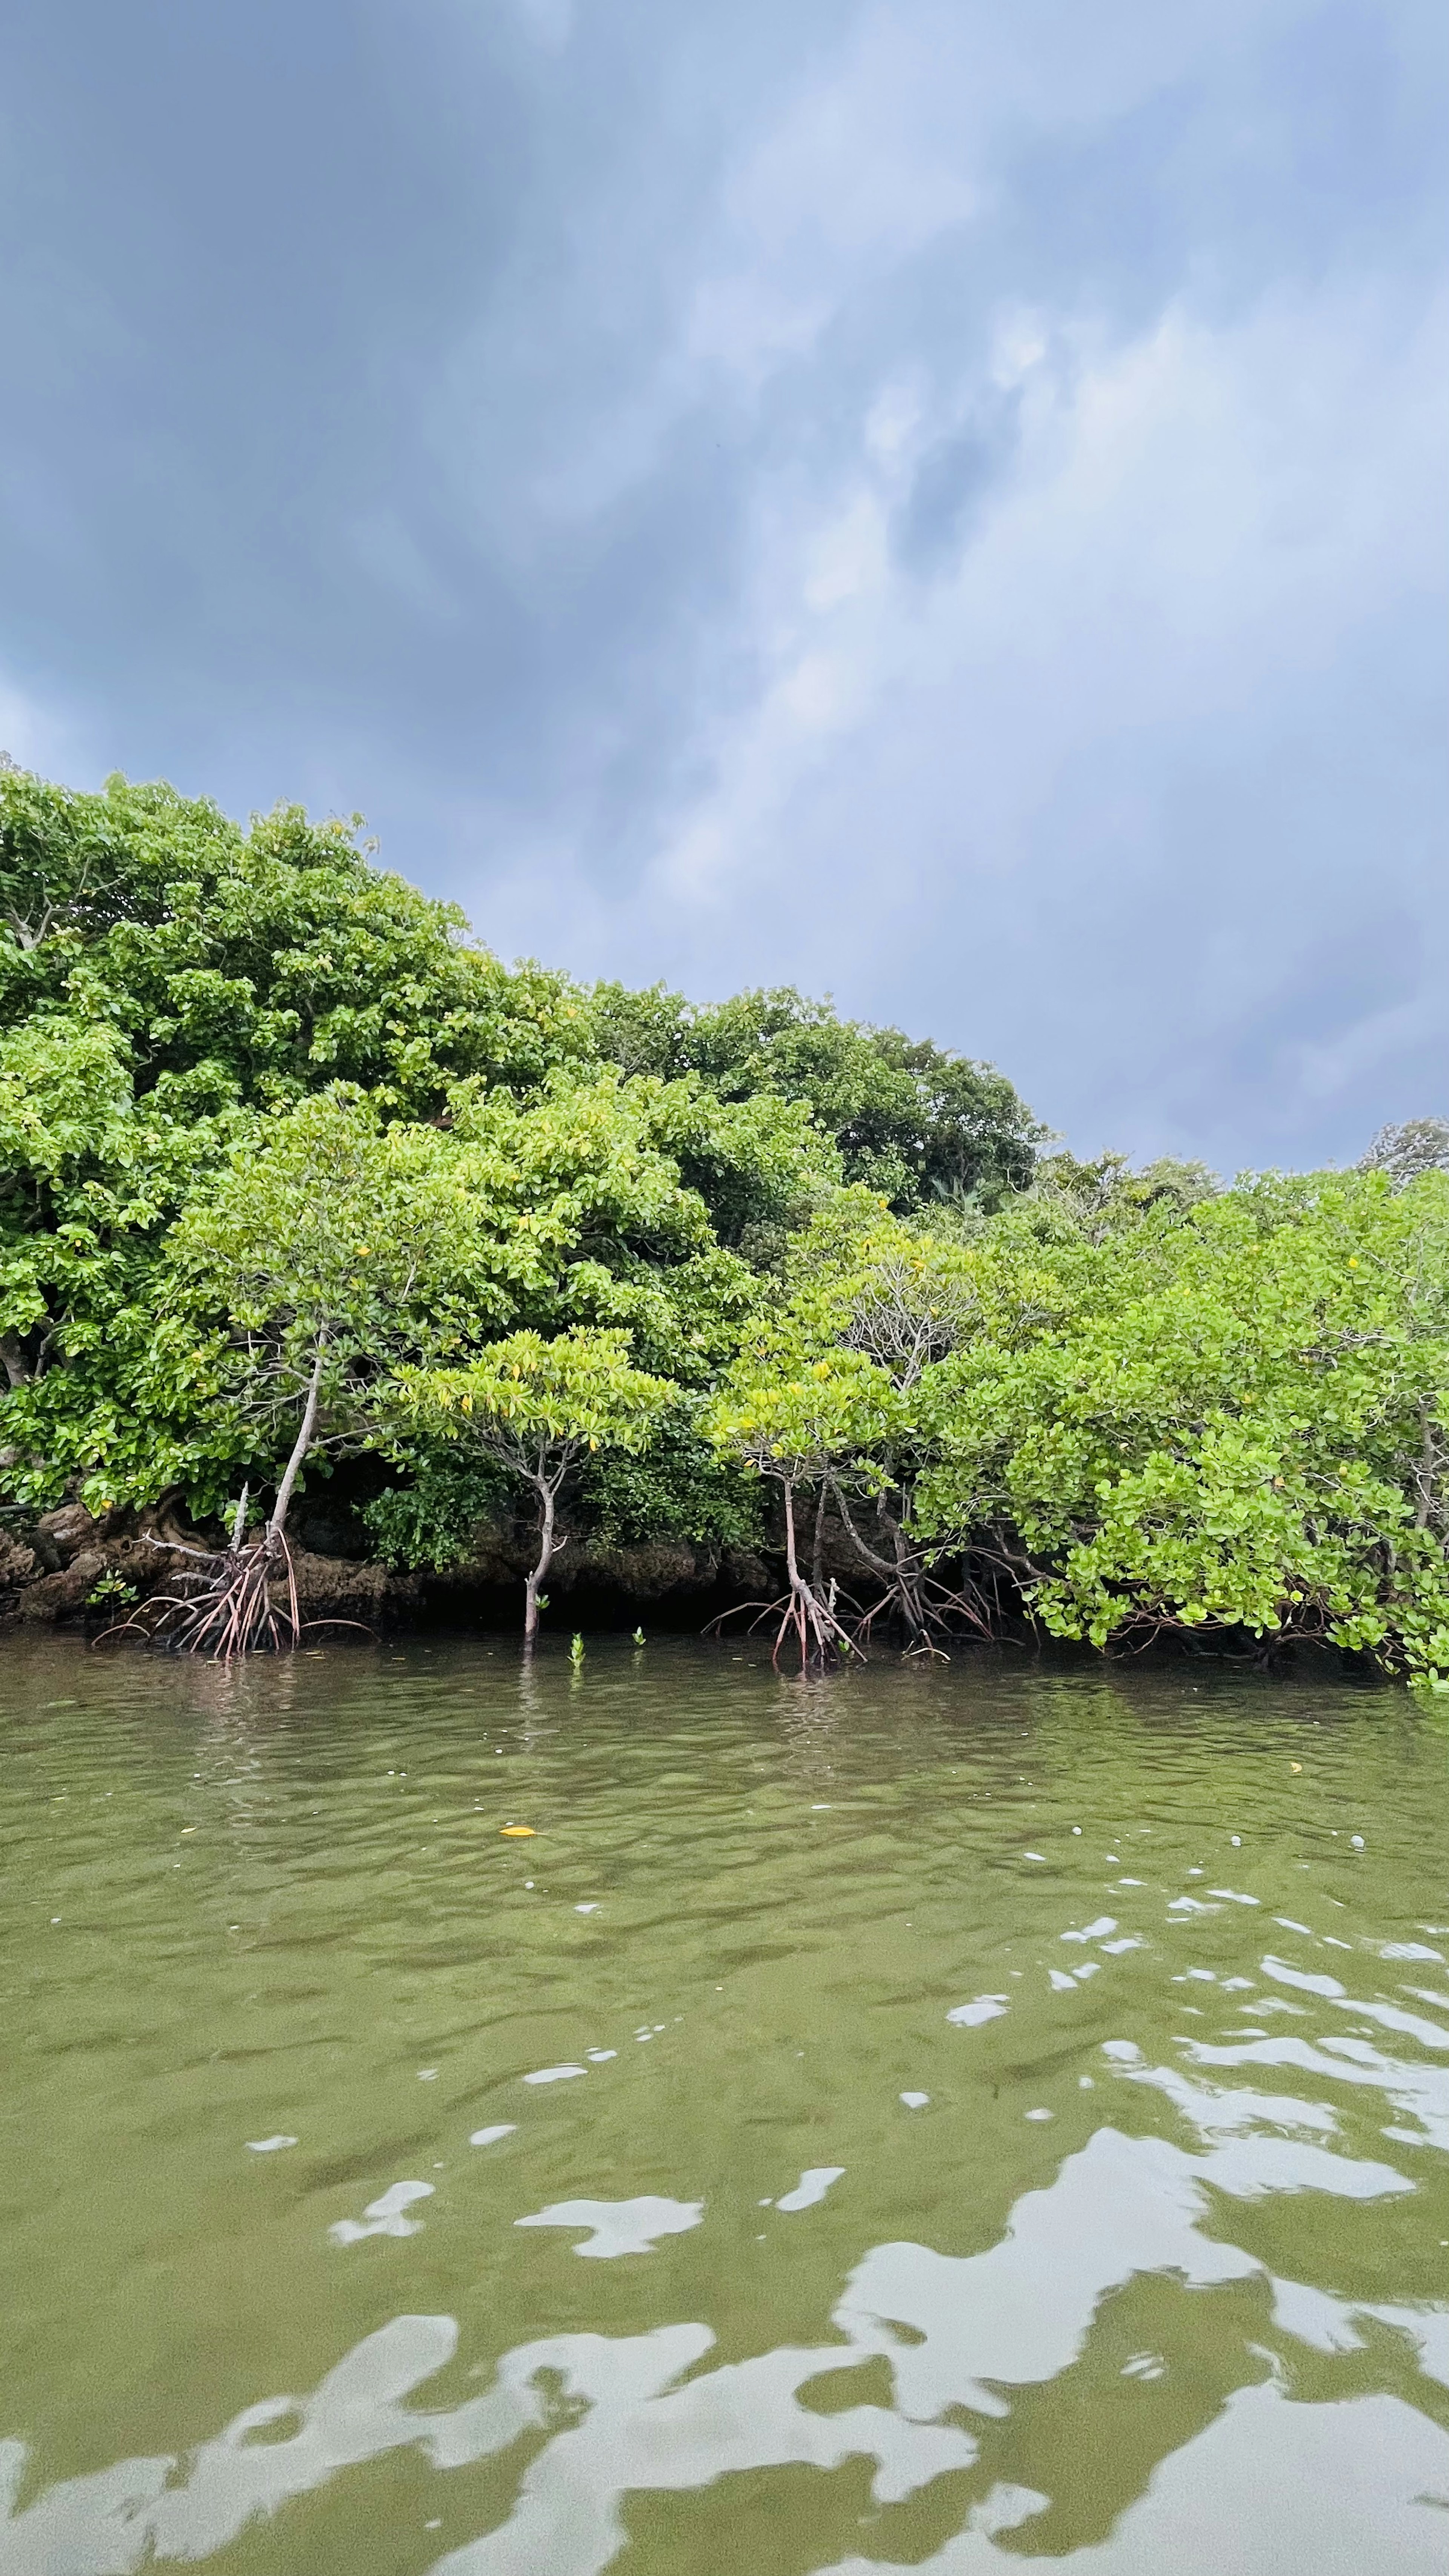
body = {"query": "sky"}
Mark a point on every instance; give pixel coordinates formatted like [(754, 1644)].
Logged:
[(942, 503)]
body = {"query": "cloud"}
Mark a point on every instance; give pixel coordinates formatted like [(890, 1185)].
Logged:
[(939, 501), (1096, 758)]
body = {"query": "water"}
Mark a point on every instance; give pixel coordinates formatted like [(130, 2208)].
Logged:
[(962, 2119)]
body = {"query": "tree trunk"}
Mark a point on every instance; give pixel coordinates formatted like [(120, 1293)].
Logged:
[(547, 1549), (812, 1619), (1424, 1473), (901, 1575), (791, 1565), (300, 1447)]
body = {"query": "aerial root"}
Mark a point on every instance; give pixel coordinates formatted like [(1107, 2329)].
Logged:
[(809, 1616), (232, 1610)]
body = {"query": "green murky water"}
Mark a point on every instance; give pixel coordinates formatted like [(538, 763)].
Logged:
[(958, 2119)]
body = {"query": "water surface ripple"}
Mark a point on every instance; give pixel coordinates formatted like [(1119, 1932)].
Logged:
[(961, 2119)]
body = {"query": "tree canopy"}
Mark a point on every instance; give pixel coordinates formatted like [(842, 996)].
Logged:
[(535, 1409), (257, 965), (911, 1120), (293, 1171), (1223, 1418)]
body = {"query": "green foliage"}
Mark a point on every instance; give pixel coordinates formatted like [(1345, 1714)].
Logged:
[(1152, 1412), (433, 1518), (289, 1169), (1230, 1421), (536, 1408), (68, 1149), (601, 1227), (911, 1121), (90, 1178), (111, 1591), (677, 1487), (799, 1420), (759, 1164), (165, 976), (531, 1404), (1108, 1197), (279, 958), (330, 1250), (327, 1226)]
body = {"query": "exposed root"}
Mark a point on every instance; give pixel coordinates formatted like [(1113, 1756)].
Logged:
[(812, 1617), (911, 1591), (928, 1609), (807, 1611), (233, 1609)]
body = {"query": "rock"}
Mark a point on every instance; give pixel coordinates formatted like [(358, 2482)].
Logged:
[(336, 1587), (145, 1564), (60, 1596), (159, 1522), (65, 1532), (53, 1580), (17, 1563), (640, 1573)]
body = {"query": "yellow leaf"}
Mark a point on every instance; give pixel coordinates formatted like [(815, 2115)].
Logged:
[(517, 1829)]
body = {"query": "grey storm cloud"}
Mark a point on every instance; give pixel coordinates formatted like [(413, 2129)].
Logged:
[(940, 502)]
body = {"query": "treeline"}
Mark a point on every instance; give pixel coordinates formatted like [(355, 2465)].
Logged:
[(295, 1174)]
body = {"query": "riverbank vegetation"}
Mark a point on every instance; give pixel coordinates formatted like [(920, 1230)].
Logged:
[(303, 1190)]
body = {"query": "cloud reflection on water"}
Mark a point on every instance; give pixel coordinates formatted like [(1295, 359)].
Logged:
[(956, 2333)]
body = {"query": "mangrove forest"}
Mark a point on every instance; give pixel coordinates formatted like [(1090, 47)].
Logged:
[(330, 1239)]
